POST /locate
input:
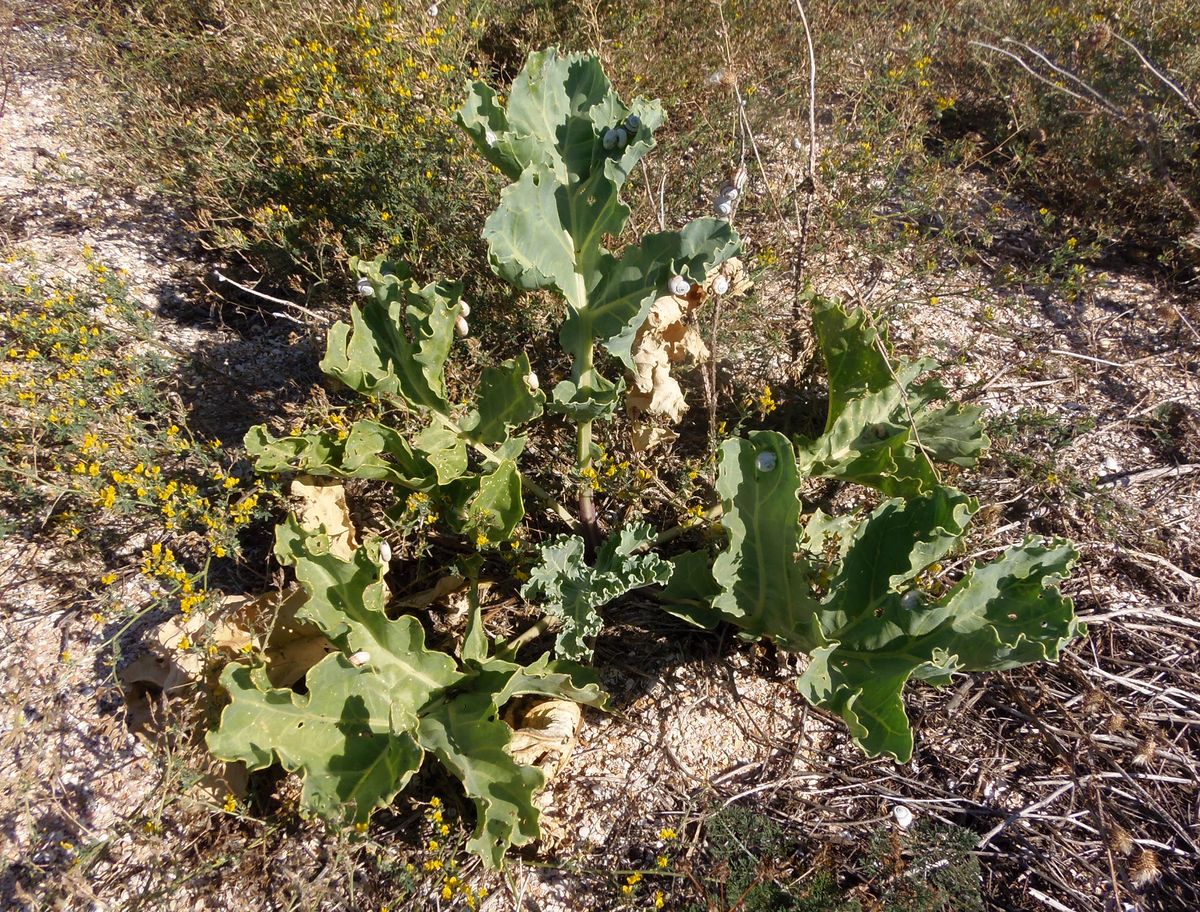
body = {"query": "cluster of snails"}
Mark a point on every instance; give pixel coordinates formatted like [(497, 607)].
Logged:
[(723, 201), (680, 287), (367, 290), (618, 137)]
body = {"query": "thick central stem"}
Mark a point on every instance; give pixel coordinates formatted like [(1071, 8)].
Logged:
[(583, 450)]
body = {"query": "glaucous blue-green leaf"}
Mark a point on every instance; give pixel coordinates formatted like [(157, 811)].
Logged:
[(396, 345), (339, 737), (346, 599), (557, 105), (550, 226), (844, 590), (881, 431), (764, 590), (445, 450), (370, 450), (585, 403), (572, 591), (466, 734), (1001, 615), (506, 401), (625, 289)]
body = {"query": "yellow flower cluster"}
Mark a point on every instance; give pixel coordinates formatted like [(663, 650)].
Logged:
[(89, 427), (443, 863)]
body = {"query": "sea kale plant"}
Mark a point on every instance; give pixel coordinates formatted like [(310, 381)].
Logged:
[(854, 592)]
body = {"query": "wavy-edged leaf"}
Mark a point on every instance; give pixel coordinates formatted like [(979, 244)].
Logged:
[(506, 401), (488, 506), (869, 438), (1001, 615), (764, 590), (572, 591), (466, 735), (346, 600), (396, 345), (338, 738), (599, 398), (443, 449), (626, 288), (549, 228), (370, 450)]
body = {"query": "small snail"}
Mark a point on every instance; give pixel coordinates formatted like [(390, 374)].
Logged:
[(531, 380), (610, 139), (385, 552), (460, 326), (359, 659), (723, 206), (678, 286), (365, 288), (765, 462), (633, 123), (464, 308), (720, 285), (911, 600), (622, 137)]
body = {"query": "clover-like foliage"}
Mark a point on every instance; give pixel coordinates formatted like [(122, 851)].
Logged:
[(568, 143), (385, 700)]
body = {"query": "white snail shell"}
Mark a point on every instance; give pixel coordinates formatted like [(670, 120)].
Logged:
[(678, 286), (903, 816), (489, 136), (720, 285), (365, 288), (385, 552), (633, 123), (464, 308), (359, 659), (622, 137), (531, 380), (723, 206), (765, 462), (432, 11), (911, 600), (729, 191), (610, 139), (460, 326)]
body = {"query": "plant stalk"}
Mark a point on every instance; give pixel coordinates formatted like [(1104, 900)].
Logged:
[(583, 452)]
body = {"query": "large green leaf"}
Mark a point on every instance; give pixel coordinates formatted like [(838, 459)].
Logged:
[(396, 345), (339, 737), (487, 506), (880, 430), (370, 450), (466, 735), (1001, 615), (764, 590), (572, 591), (346, 600), (550, 226), (845, 591), (506, 401), (558, 105), (445, 450)]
